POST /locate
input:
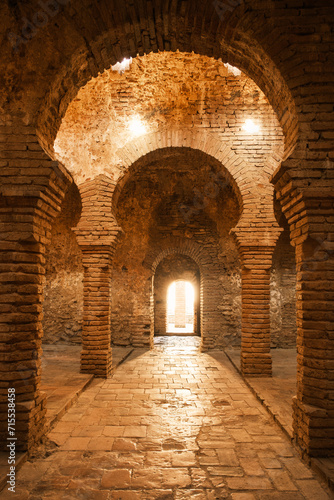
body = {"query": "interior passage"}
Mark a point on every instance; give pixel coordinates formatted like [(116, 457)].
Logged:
[(172, 423)]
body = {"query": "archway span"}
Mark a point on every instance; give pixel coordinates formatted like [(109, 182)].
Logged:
[(175, 245), (209, 294), (234, 43), (155, 146)]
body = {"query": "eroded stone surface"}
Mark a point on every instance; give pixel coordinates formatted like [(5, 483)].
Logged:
[(190, 448)]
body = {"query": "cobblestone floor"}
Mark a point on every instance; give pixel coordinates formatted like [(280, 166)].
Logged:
[(172, 423)]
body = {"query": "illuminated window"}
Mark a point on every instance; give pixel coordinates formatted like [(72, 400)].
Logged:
[(180, 307), (122, 66), (232, 69)]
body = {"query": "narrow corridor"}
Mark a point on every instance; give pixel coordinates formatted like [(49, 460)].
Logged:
[(172, 423)]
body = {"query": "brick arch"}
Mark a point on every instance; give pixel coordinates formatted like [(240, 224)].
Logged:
[(233, 42), (157, 143), (176, 245), (208, 280)]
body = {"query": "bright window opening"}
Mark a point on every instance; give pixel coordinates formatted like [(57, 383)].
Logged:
[(122, 66), (180, 307), (137, 127)]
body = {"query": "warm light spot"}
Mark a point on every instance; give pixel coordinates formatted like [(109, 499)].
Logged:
[(250, 127), (122, 66), (180, 307), (232, 69), (137, 127)]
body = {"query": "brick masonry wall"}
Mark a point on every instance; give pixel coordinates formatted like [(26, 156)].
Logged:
[(286, 49), (167, 90), (131, 288), (63, 289), (283, 293)]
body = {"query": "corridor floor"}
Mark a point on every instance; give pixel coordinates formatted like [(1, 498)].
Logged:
[(172, 423)]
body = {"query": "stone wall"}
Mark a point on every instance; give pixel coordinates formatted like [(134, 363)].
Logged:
[(283, 294), (63, 292)]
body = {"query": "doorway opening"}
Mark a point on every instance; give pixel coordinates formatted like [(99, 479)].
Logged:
[(180, 317), (176, 297)]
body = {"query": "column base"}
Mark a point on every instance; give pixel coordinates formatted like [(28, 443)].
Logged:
[(97, 362), (256, 364), (30, 424), (313, 429)]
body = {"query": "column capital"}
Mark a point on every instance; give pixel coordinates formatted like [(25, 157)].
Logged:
[(98, 228), (256, 257), (96, 241), (256, 241), (306, 197)]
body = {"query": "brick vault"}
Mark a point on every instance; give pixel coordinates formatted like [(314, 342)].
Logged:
[(208, 156)]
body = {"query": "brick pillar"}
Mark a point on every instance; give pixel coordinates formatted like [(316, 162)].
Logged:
[(256, 234), (32, 188), (307, 200), (97, 234), (255, 340)]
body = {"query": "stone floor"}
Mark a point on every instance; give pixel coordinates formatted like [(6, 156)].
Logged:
[(62, 383), (63, 386), (172, 423), (275, 392)]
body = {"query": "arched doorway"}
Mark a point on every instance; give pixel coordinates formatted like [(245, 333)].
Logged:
[(180, 310), (176, 296)]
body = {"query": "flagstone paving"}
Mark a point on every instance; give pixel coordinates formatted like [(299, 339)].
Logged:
[(172, 423)]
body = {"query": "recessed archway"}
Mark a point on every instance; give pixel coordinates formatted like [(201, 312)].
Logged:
[(176, 271)]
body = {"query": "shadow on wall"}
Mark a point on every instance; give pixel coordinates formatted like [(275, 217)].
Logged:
[(63, 290)]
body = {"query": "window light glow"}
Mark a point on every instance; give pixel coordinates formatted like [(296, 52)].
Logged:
[(137, 127), (250, 127), (122, 66), (232, 69)]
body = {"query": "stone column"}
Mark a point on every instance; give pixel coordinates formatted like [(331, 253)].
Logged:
[(307, 200), (32, 188), (97, 234)]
